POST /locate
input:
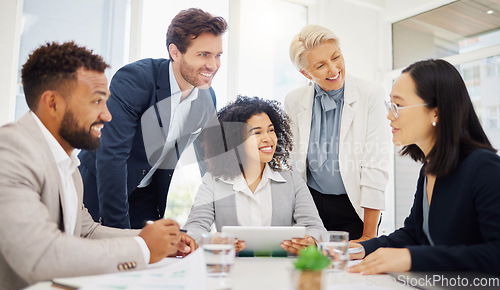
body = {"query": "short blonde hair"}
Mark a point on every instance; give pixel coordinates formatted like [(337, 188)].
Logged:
[(308, 38)]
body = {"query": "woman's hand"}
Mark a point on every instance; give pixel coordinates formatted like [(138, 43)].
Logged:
[(384, 260), (295, 245), (362, 239), (239, 245), (356, 256)]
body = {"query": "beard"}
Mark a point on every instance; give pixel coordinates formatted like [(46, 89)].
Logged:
[(76, 136), (192, 76)]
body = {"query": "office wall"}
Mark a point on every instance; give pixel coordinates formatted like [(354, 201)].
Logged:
[(359, 29), (10, 33), (98, 25)]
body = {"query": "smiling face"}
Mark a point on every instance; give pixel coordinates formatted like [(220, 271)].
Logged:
[(325, 66), (261, 143), (414, 125), (199, 64), (86, 111)]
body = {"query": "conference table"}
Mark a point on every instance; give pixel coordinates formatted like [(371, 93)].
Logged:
[(276, 274)]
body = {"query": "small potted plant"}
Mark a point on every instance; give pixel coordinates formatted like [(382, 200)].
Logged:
[(308, 268)]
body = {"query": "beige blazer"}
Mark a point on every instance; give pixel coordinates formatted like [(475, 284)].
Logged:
[(365, 141), (33, 245)]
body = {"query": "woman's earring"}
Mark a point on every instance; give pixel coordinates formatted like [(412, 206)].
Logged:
[(433, 124), (310, 83)]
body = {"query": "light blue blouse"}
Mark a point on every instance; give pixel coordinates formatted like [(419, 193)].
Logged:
[(323, 173)]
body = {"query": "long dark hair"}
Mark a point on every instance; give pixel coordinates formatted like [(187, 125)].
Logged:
[(221, 143), (458, 131)]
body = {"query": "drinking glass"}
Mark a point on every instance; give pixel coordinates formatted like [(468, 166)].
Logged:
[(219, 253), (336, 247)]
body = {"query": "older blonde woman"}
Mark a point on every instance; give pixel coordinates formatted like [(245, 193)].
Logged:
[(340, 145)]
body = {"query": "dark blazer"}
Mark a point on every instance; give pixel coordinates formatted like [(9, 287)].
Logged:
[(464, 220), (139, 100)]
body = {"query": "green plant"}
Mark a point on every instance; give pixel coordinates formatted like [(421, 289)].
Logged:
[(311, 259)]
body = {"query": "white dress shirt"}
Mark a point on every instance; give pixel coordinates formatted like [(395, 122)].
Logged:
[(179, 110), (254, 209)]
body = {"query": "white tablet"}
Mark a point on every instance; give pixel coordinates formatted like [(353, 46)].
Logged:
[(264, 238)]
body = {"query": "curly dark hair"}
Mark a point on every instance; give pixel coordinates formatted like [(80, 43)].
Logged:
[(232, 133), (189, 24), (53, 66)]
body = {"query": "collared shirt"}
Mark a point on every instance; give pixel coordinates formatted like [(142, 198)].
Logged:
[(66, 166), (179, 112), (323, 173), (254, 209)]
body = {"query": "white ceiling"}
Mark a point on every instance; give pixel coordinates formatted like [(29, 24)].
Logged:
[(466, 17)]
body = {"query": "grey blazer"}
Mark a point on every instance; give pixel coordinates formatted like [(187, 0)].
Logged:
[(33, 245), (292, 205)]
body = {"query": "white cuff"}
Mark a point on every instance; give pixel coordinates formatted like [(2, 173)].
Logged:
[(144, 248)]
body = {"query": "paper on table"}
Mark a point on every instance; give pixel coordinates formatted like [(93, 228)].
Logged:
[(188, 273), (354, 286), (81, 281)]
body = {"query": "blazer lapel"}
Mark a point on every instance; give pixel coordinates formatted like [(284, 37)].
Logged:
[(77, 180), (275, 197), (162, 97), (350, 97), (304, 118), (31, 126), (163, 82), (225, 205), (281, 201)]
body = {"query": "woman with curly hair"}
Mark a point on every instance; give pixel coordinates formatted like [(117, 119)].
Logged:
[(249, 182)]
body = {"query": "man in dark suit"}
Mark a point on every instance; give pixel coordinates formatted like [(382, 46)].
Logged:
[(159, 107)]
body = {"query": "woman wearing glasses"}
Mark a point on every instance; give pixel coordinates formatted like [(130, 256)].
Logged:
[(454, 223), (340, 146)]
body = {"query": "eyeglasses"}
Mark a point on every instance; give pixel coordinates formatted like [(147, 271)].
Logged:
[(395, 108)]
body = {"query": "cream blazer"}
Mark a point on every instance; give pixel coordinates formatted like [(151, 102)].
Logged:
[(365, 141), (33, 244)]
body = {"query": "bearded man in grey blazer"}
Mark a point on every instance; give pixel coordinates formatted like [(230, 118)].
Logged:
[(46, 231)]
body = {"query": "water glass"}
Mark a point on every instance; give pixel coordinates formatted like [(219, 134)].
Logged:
[(336, 247), (219, 253)]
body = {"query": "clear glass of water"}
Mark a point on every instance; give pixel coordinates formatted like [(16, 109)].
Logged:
[(336, 247), (219, 253)]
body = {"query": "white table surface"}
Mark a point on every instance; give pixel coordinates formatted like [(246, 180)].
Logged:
[(276, 274)]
